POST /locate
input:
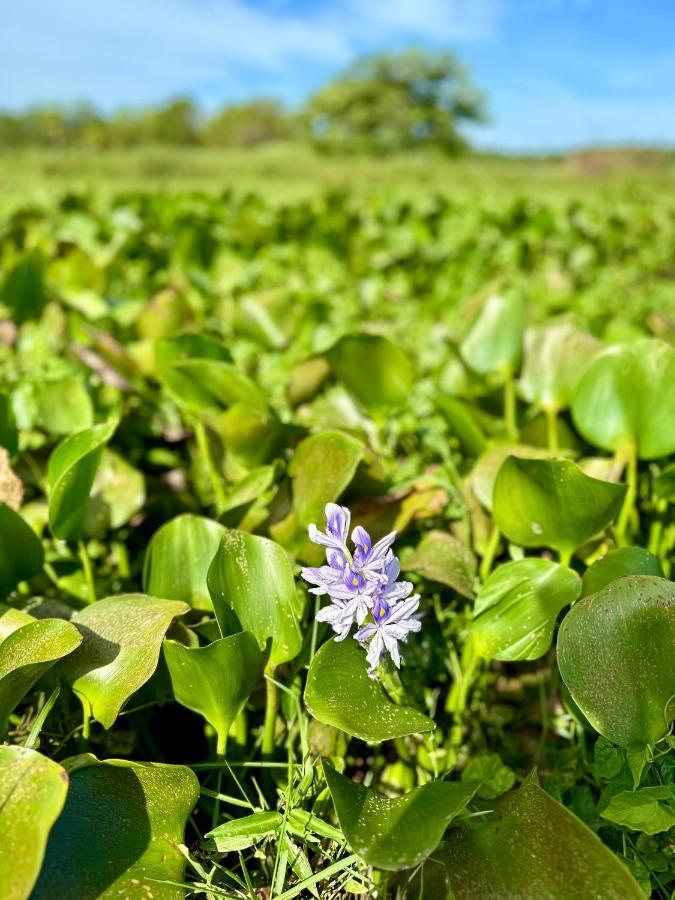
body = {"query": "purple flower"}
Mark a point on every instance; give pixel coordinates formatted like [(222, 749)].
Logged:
[(362, 585)]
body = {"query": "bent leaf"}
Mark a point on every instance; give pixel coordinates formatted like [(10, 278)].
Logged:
[(178, 558), (252, 576), (615, 654), (70, 474), (340, 693), (626, 398), (517, 607), (122, 639), (21, 553), (399, 833), (528, 848), (119, 832), (215, 681), (552, 503), (26, 654), (32, 793)]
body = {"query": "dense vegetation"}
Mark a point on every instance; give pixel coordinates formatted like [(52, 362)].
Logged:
[(185, 382)]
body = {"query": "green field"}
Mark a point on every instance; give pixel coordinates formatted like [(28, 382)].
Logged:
[(213, 367)]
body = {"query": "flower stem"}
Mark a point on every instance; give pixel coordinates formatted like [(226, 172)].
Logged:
[(490, 551), (628, 508), (272, 700), (205, 453), (551, 414), (88, 573), (221, 745)]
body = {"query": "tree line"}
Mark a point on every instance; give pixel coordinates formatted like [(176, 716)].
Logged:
[(390, 102)]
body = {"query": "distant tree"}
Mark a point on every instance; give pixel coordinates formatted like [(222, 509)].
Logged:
[(393, 102), (248, 124)]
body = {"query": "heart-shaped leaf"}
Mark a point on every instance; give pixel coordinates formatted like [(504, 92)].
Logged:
[(625, 398), (32, 793), (618, 564), (252, 576), (552, 503), (21, 553), (340, 693), (441, 557), (26, 654), (399, 833), (215, 681), (517, 607), (119, 832), (615, 653), (494, 343), (70, 473), (555, 358), (527, 849), (178, 558), (373, 369), (122, 639)]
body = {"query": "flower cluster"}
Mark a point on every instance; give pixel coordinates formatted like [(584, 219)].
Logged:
[(363, 588)]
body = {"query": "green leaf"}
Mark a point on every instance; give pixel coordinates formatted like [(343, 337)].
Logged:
[(399, 833), (21, 553), (245, 832), (118, 493), (182, 385), (649, 809), (625, 398), (373, 369), (484, 472), (441, 557), (178, 558), (340, 693), (608, 759), (24, 289), (517, 607), (528, 849), (552, 503), (64, 406), (9, 436), (122, 639), (252, 576), (26, 654), (556, 355), (615, 654), (618, 564), (32, 793), (494, 343), (493, 776), (119, 833), (215, 681), (70, 474)]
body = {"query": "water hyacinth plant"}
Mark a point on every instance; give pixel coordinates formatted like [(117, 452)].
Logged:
[(363, 588)]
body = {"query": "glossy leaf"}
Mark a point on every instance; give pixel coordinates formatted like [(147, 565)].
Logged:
[(215, 681), (552, 503), (21, 553), (556, 355), (122, 639), (484, 473), (71, 473), (626, 398), (615, 653), (517, 607), (618, 564), (252, 576), (373, 369), (26, 654), (340, 693), (32, 793), (494, 343), (441, 557), (119, 832), (528, 848), (395, 833), (178, 558)]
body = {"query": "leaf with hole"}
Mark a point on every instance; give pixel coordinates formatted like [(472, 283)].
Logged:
[(395, 833), (615, 654), (340, 693), (517, 607), (32, 793), (552, 503), (122, 637)]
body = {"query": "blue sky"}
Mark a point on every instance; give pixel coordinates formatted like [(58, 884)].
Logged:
[(557, 73)]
